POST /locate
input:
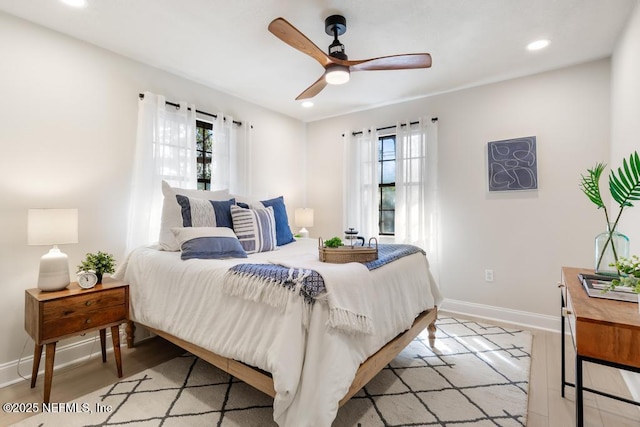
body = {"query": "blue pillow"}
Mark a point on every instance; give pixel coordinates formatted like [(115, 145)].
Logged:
[(283, 232), (205, 213), (208, 243)]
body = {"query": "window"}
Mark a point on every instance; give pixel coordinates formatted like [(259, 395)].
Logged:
[(204, 139), (387, 184)]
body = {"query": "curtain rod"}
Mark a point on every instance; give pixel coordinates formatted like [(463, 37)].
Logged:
[(433, 120), (173, 104)]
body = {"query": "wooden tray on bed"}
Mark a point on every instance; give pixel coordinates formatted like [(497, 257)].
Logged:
[(344, 254)]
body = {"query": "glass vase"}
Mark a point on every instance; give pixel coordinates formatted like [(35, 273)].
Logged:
[(610, 246)]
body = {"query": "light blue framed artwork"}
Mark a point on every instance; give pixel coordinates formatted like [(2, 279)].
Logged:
[(512, 164)]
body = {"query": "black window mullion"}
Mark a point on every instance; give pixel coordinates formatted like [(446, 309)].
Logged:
[(386, 142), (205, 132)]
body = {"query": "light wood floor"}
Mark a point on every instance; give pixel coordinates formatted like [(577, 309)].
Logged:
[(546, 406)]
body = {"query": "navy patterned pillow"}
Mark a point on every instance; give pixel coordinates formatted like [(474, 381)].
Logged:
[(205, 213)]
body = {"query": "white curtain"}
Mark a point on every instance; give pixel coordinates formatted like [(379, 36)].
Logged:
[(231, 158), (416, 184), (361, 182), (165, 150)]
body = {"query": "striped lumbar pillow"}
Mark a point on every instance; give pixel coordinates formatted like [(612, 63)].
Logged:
[(255, 228)]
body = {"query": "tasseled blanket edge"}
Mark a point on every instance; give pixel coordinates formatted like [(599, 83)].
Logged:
[(348, 321), (257, 289), (263, 290)]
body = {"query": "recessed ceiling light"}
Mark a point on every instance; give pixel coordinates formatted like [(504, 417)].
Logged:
[(538, 44), (307, 104), (75, 3)]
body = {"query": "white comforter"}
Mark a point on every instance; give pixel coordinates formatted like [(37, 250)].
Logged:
[(312, 368)]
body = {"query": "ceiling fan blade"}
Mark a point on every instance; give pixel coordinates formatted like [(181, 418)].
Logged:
[(289, 34), (314, 89), (393, 62)]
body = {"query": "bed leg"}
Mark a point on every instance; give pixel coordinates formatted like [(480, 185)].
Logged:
[(130, 330), (432, 333)]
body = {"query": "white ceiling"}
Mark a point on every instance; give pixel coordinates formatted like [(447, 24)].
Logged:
[(226, 45)]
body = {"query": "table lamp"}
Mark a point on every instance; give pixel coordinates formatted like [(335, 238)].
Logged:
[(53, 227), (304, 218)]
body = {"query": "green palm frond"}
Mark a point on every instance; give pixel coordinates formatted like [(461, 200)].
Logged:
[(590, 184), (625, 187)]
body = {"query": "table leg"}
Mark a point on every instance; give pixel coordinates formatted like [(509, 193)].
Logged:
[(48, 370), (130, 330), (579, 402), (37, 354), (562, 349), (115, 336), (103, 344)]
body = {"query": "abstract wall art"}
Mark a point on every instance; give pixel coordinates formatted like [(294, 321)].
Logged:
[(512, 164)]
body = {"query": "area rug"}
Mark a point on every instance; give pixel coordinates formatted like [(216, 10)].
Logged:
[(477, 374)]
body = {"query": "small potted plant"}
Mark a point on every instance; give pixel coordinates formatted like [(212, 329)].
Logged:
[(100, 262), (629, 269), (334, 242)]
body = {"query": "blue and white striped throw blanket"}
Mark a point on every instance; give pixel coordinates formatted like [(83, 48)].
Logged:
[(273, 283)]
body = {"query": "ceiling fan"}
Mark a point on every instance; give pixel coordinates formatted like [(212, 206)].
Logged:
[(336, 64)]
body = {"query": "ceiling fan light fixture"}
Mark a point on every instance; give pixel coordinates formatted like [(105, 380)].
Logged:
[(337, 74)]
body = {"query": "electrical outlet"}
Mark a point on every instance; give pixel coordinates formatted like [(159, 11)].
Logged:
[(488, 275)]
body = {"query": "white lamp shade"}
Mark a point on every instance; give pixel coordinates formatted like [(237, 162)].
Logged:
[(52, 226), (304, 217)]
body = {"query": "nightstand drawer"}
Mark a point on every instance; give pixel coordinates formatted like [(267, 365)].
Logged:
[(78, 322), (95, 301)]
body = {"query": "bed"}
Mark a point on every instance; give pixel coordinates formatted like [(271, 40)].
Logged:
[(310, 353)]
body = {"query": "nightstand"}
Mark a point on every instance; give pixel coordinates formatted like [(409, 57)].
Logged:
[(52, 316)]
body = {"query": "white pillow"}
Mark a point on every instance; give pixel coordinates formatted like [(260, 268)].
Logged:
[(171, 211)]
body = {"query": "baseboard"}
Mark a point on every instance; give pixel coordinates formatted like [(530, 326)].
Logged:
[(489, 312), (76, 352)]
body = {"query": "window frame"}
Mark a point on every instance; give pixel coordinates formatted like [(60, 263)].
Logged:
[(386, 185), (203, 156)]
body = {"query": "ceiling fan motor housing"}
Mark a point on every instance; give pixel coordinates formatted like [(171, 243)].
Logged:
[(336, 25)]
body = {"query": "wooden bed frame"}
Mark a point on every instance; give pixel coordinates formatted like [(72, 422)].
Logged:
[(262, 380)]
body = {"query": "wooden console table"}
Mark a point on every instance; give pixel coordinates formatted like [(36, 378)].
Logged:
[(603, 331)]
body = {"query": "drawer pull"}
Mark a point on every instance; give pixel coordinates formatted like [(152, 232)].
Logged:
[(87, 321), (88, 303), (566, 312)]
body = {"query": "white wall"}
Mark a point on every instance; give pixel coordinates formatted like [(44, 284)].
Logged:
[(625, 131), (68, 114), (524, 237), (625, 114)]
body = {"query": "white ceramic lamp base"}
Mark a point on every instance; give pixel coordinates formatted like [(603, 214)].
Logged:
[(54, 271), (304, 233)]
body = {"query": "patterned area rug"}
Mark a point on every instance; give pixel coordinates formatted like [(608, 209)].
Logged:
[(476, 375)]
